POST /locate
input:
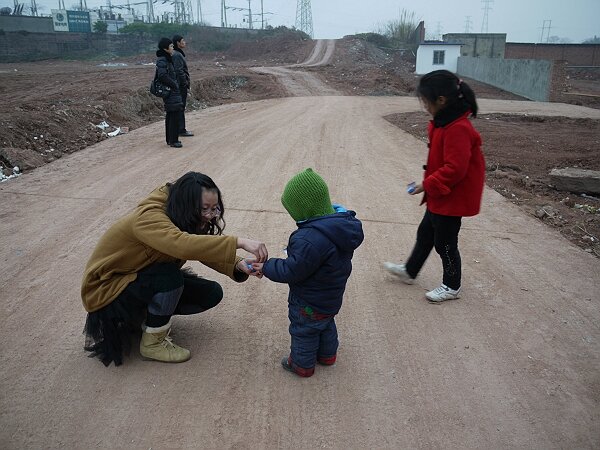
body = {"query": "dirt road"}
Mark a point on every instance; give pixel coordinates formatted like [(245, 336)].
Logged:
[(513, 364), (299, 83)]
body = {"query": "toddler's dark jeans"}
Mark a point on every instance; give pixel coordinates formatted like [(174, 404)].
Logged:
[(314, 336), (440, 232)]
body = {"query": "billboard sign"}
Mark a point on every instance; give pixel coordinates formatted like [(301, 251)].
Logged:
[(73, 21), (79, 21), (59, 20)]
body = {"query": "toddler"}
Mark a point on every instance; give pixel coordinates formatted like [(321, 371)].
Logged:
[(317, 267)]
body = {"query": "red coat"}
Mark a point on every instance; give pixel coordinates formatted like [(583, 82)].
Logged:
[(455, 172)]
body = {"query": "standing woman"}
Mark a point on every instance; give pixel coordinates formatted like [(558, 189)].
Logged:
[(135, 273), (165, 72), (183, 75)]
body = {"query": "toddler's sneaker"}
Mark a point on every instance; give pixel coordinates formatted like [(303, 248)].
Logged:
[(326, 360), (288, 365), (400, 271), (442, 293)]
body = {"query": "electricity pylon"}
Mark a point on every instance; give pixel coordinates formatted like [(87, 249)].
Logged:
[(304, 20), (468, 24), (486, 10), (150, 11)]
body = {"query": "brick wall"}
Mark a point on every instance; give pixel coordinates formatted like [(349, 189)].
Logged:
[(558, 81), (573, 54)]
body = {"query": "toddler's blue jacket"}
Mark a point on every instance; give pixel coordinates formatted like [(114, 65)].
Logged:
[(319, 260)]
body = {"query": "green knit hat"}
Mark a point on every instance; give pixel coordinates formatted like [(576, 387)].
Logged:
[(306, 196)]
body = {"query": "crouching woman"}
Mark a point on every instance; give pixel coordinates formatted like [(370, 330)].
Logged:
[(135, 277)]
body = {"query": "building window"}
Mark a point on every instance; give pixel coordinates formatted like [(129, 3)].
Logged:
[(438, 56)]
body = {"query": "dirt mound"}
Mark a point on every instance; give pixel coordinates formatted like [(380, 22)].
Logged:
[(518, 167), (61, 108), (360, 68), (288, 48)]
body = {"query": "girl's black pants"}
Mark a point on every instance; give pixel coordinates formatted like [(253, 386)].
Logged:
[(439, 232)]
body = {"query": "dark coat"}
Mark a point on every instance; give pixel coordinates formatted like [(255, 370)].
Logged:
[(181, 68), (455, 171), (165, 72), (319, 260)]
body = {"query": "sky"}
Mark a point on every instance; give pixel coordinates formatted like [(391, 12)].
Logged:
[(521, 20)]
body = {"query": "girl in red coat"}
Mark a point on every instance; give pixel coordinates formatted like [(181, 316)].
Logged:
[(453, 180)]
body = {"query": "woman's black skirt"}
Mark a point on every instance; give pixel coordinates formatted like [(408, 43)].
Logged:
[(108, 331)]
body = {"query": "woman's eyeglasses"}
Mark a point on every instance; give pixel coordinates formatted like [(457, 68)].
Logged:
[(211, 212)]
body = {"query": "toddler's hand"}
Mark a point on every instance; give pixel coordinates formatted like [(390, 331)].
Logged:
[(257, 268), (245, 265)]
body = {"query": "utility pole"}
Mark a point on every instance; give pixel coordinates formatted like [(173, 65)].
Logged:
[(304, 20), (486, 9), (223, 14), (262, 15), (250, 26), (199, 11), (468, 24)]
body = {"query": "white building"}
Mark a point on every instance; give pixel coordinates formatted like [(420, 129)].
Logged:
[(437, 55)]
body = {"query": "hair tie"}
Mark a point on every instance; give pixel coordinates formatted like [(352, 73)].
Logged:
[(458, 86)]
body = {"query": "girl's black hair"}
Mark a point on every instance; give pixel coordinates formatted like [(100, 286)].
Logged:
[(443, 83), (184, 204)]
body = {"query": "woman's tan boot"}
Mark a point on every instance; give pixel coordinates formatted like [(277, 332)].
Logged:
[(157, 345)]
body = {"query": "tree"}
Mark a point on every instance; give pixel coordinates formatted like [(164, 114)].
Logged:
[(594, 40), (558, 40), (400, 31), (100, 26)]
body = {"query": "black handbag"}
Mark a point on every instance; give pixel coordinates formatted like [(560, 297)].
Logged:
[(158, 89)]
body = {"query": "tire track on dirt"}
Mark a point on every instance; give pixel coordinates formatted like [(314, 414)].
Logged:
[(299, 83)]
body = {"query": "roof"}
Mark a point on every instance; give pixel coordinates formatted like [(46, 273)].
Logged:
[(440, 43)]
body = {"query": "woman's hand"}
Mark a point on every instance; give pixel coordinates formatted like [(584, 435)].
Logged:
[(257, 248), (247, 266), (418, 189)]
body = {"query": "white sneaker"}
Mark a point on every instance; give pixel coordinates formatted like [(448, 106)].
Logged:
[(442, 293), (400, 271)]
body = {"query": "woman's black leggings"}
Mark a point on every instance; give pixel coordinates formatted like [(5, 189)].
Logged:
[(165, 290), (440, 232)]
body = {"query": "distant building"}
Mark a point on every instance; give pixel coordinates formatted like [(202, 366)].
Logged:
[(114, 22), (436, 55)]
